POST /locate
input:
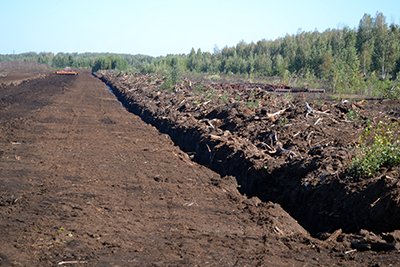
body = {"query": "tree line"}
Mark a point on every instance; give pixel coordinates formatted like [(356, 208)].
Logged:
[(94, 61), (350, 59)]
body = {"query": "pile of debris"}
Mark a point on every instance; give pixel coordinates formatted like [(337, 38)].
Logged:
[(283, 88)]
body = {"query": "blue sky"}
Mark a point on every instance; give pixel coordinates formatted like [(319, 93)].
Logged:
[(157, 28)]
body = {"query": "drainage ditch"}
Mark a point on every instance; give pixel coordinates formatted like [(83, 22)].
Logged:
[(335, 203)]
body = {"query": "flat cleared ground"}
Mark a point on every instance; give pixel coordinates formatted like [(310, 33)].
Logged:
[(83, 182)]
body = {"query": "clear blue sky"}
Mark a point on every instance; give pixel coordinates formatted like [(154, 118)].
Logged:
[(153, 27)]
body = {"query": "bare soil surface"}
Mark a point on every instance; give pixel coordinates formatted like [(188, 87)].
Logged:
[(13, 73), (84, 182)]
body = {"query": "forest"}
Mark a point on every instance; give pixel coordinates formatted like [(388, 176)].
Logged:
[(94, 61), (362, 60)]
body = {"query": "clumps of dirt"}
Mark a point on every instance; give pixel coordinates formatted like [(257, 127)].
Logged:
[(292, 149)]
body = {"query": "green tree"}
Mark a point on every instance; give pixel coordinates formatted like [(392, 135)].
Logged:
[(381, 39), (288, 51), (41, 59), (72, 61), (192, 60), (199, 61), (47, 59), (365, 43), (278, 65), (303, 52), (393, 49), (120, 64), (321, 55), (351, 59)]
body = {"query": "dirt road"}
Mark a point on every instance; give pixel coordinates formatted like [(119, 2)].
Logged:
[(83, 182)]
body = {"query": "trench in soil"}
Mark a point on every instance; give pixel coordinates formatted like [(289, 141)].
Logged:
[(111, 90), (326, 208)]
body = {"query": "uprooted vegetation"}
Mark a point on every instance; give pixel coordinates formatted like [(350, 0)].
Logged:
[(296, 149)]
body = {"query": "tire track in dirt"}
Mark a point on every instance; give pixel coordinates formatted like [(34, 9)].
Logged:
[(115, 130), (71, 128)]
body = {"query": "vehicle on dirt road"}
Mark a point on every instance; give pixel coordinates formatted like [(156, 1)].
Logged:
[(66, 71)]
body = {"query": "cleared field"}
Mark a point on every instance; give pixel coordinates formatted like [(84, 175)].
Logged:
[(86, 183)]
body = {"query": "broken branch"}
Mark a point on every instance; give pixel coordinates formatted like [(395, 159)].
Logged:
[(309, 109), (271, 116)]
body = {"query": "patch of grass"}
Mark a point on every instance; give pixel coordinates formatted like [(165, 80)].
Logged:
[(211, 94), (252, 103), (224, 97), (352, 114), (319, 102), (284, 121), (215, 77), (198, 89), (378, 148), (237, 99), (287, 98)]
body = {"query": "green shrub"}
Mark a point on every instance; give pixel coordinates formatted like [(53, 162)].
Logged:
[(378, 148), (170, 81), (167, 85)]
